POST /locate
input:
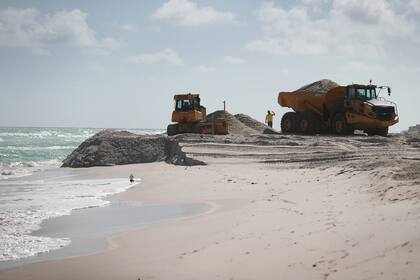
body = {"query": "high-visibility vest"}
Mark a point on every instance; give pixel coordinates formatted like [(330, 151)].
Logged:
[(269, 117)]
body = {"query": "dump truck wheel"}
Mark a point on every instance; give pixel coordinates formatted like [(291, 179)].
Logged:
[(172, 129), (382, 132), (339, 125), (370, 132), (377, 131), (308, 123), (289, 122)]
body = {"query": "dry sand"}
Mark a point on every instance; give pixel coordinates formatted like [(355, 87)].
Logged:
[(283, 207)]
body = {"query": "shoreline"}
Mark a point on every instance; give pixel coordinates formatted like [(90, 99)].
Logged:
[(98, 239), (61, 226)]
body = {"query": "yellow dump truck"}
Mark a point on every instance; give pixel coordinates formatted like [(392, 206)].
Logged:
[(190, 117), (341, 110)]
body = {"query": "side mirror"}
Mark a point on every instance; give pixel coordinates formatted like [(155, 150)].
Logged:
[(389, 91)]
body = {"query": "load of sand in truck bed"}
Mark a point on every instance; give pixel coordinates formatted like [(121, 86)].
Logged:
[(321, 86)]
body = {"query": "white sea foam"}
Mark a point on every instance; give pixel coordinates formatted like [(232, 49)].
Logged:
[(25, 204), (75, 134), (1, 140), (48, 133), (40, 134), (36, 148), (25, 168)]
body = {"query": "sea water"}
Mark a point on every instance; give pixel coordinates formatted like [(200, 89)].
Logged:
[(33, 188), (25, 150)]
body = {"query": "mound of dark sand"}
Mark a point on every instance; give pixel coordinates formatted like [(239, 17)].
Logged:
[(110, 147), (254, 124), (321, 86), (234, 125)]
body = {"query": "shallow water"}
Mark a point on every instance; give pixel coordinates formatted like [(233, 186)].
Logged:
[(26, 203), (88, 229)]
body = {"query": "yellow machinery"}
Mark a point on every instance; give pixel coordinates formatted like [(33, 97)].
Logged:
[(341, 110), (190, 117)]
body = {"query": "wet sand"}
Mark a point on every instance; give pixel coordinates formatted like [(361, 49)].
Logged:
[(282, 207)]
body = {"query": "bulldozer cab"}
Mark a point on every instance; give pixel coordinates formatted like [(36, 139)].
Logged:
[(188, 109), (361, 92), (187, 102)]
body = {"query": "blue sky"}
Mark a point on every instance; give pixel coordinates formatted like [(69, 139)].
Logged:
[(118, 64)]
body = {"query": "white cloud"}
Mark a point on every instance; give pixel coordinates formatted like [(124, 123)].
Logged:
[(414, 5), (315, 6), (96, 68), (313, 2), (232, 60), (27, 28), (128, 27), (348, 27), (206, 69), (107, 45), (166, 56), (187, 12)]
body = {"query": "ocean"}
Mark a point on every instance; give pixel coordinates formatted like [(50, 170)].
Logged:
[(33, 188)]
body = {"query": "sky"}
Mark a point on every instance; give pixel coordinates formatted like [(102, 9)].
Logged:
[(118, 63)]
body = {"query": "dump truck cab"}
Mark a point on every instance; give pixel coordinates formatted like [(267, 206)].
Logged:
[(365, 110)]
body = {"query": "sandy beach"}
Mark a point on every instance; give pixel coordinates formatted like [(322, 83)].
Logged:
[(326, 208), (209, 140)]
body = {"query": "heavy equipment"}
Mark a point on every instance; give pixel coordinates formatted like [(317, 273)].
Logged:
[(190, 117), (340, 110)]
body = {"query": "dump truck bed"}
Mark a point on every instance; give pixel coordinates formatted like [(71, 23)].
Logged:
[(316, 102)]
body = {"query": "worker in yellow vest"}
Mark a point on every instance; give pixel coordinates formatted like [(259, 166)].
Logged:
[(269, 118)]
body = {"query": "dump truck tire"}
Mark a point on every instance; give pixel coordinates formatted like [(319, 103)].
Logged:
[(289, 122), (172, 129), (339, 125), (370, 131), (382, 132), (308, 123)]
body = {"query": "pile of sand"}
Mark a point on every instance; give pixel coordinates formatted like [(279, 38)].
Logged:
[(234, 125), (321, 86), (241, 124), (254, 124)]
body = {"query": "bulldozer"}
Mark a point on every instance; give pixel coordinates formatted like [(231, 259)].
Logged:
[(341, 110), (189, 116)]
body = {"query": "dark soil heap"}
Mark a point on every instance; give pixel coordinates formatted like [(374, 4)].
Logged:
[(110, 147)]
